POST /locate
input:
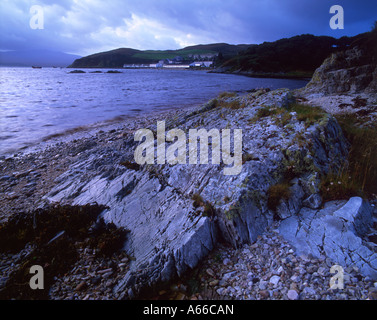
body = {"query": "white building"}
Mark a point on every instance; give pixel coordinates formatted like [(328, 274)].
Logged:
[(156, 65), (202, 64), (176, 66)]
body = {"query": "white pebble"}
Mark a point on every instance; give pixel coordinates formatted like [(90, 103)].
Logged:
[(274, 280), (292, 295)]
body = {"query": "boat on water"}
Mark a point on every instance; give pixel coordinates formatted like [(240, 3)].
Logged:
[(36, 67)]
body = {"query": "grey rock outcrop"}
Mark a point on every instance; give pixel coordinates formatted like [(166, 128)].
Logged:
[(169, 232), (335, 231), (344, 72)]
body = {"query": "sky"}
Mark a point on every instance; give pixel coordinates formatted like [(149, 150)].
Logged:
[(89, 26)]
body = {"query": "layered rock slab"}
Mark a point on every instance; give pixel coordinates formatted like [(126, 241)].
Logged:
[(348, 71), (168, 232), (335, 231)]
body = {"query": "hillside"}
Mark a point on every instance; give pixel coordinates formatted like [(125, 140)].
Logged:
[(118, 57), (109, 59), (297, 198), (349, 71), (295, 56), (43, 58)]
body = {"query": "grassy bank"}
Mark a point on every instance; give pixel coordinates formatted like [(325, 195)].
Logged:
[(358, 176)]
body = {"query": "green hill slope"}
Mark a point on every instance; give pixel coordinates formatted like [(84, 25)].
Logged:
[(118, 57), (299, 55)]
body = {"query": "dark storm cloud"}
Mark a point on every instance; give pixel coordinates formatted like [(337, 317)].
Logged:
[(88, 26)]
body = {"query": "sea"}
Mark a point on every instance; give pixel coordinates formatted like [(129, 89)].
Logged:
[(36, 104)]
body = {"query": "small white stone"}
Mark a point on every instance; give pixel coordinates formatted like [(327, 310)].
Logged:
[(292, 295), (280, 270), (310, 291), (262, 285), (210, 272), (220, 291), (295, 278), (274, 280)]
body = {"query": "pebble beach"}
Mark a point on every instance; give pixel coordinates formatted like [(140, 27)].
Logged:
[(268, 269)]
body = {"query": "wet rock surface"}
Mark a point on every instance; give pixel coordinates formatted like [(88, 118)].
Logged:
[(336, 231), (271, 269), (171, 234), (168, 233), (346, 82), (349, 71)]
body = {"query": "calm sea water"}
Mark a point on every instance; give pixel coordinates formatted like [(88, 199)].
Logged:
[(37, 103)]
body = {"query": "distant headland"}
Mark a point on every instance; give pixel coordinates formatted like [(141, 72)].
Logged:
[(295, 57)]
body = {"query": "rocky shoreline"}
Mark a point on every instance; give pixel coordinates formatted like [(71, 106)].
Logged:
[(282, 75), (271, 269), (298, 221), (28, 176), (267, 267)]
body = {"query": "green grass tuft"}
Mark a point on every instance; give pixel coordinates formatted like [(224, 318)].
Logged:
[(276, 193), (358, 176), (55, 234), (198, 200), (226, 94), (307, 113)]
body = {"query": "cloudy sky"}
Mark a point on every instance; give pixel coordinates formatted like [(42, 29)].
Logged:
[(89, 26)]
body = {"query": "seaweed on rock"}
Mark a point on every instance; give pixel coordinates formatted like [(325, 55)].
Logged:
[(55, 234)]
